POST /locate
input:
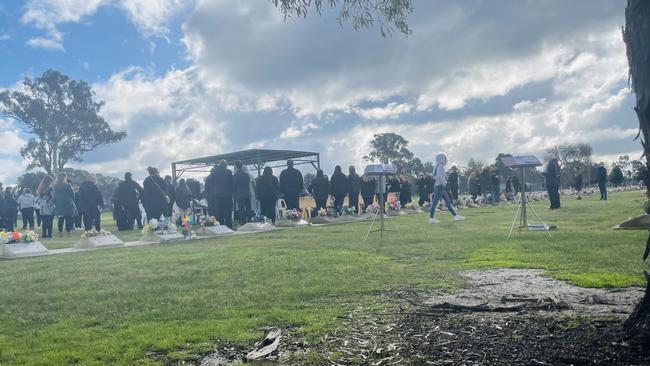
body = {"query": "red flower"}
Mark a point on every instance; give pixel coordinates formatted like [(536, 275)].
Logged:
[(15, 235)]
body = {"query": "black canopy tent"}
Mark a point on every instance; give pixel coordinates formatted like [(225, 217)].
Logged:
[(257, 159)]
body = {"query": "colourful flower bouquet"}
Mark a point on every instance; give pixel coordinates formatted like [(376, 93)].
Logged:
[(150, 227), (92, 233), (186, 226), (411, 206), (207, 221), (372, 209), (348, 211), (393, 205), (16, 237), (292, 214)]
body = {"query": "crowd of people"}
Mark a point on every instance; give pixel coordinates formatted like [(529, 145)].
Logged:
[(239, 197)]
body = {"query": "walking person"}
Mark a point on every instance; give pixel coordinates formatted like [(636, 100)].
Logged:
[(45, 203), (129, 194), (367, 190), (11, 208), (601, 176), (26, 203), (291, 186), (338, 188), (552, 177), (354, 188), (319, 188), (267, 190), (578, 185), (91, 202), (242, 192), (154, 198), (64, 206), (440, 191)]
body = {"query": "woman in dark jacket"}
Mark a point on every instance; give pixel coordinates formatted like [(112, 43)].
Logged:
[(183, 197), (354, 188), (11, 208), (154, 198), (338, 188), (405, 191), (267, 190), (64, 206), (320, 189), (367, 190)]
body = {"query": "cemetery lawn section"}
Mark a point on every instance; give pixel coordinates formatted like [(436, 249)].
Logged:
[(124, 306)]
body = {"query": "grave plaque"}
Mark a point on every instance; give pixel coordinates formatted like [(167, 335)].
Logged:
[(18, 250), (219, 230), (99, 241)]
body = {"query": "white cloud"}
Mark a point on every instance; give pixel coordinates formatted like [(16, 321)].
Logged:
[(45, 43), (391, 110)]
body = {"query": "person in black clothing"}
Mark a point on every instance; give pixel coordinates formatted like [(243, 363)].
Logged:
[(338, 188), (552, 176), (495, 183), (183, 197), (219, 184), (367, 190), (422, 183), (129, 194), (77, 220), (393, 186), (601, 176), (431, 183), (90, 202), (4, 223), (241, 182), (291, 186), (474, 184), (11, 208), (319, 188), (195, 187), (578, 184), (119, 213), (354, 188), (267, 190), (405, 191), (170, 191), (154, 198), (452, 184)]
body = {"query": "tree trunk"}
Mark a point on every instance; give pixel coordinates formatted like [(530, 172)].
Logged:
[(636, 35)]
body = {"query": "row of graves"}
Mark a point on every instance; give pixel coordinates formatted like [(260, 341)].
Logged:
[(20, 244)]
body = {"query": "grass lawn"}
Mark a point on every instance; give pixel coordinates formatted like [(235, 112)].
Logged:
[(114, 306)]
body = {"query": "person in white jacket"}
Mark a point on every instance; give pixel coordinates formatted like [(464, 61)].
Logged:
[(26, 204), (440, 190)]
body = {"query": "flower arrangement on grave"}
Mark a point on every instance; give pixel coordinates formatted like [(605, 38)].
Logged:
[(373, 209), (92, 233), (186, 226), (426, 205), (16, 237), (150, 227), (207, 221), (411, 206), (325, 212), (348, 211), (292, 214), (393, 205)]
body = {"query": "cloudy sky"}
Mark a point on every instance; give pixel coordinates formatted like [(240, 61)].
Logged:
[(195, 78)]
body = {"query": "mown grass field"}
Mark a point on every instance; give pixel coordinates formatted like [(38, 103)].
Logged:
[(114, 306)]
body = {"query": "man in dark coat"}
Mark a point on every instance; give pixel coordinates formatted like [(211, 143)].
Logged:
[(241, 185), (405, 194), (119, 213), (154, 198), (220, 186), (495, 183), (129, 194), (90, 202), (515, 183), (423, 183), (353, 189), (195, 187), (291, 186), (170, 191), (552, 176), (338, 188), (452, 184), (320, 189), (601, 176)]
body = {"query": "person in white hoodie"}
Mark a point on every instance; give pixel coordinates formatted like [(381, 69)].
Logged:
[(26, 204), (440, 190)]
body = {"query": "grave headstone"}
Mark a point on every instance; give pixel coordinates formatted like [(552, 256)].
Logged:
[(22, 250), (99, 241)]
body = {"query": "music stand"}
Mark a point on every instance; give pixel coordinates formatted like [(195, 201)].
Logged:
[(523, 162), (381, 171)]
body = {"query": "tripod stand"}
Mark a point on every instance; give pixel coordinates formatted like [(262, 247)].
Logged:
[(522, 211), (381, 214)]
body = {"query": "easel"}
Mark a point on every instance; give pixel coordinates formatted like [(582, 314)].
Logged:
[(381, 213), (522, 210)]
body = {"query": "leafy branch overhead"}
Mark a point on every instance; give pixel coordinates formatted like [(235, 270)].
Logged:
[(388, 14), (61, 117)]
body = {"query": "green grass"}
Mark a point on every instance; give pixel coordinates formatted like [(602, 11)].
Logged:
[(116, 306)]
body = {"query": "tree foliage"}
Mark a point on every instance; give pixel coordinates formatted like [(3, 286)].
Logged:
[(616, 176), (387, 14), (61, 117), (389, 148)]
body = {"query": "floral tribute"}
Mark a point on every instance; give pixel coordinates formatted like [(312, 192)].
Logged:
[(292, 214), (348, 211), (16, 237), (373, 209), (325, 212), (150, 227), (92, 233), (393, 205), (207, 221), (411, 206), (186, 226)]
